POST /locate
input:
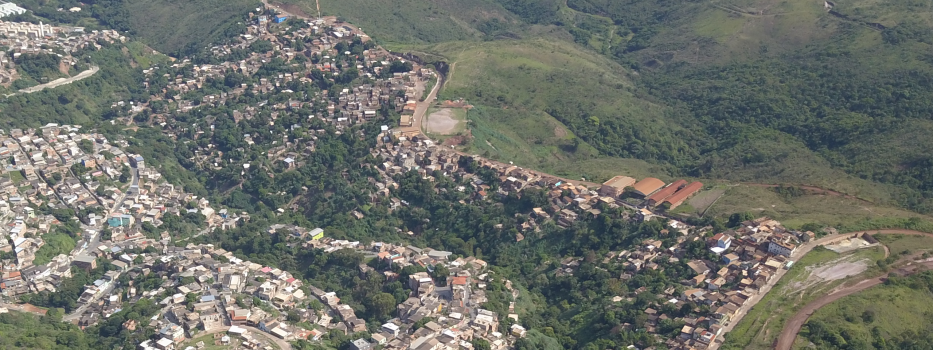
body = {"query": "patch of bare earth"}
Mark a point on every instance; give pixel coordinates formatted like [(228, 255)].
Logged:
[(831, 271), (442, 122), (455, 141), (703, 200), (291, 8), (560, 132), (63, 67)]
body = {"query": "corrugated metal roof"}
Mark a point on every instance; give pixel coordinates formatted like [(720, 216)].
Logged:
[(667, 191), (687, 191), (648, 185)]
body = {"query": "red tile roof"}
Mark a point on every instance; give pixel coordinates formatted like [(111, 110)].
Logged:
[(667, 191), (687, 191)]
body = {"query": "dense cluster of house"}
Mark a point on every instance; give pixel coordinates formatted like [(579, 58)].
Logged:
[(453, 305), (202, 290), (749, 259), (48, 152), (345, 107), (60, 167), (30, 38), (352, 105), (567, 201)]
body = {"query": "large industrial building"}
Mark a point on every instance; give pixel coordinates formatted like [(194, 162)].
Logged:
[(615, 186), (647, 186)]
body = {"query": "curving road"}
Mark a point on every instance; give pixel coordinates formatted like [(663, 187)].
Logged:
[(786, 339), (421, 108), (59, 82)]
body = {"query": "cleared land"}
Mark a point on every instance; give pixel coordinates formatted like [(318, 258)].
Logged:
[(61, 81), (849, 245), (703, 200), (819, 273), (792, 328), (762, 324), (446, 121)]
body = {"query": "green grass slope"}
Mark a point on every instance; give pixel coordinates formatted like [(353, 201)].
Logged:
[(412, 21), (169, 26), (890, 316), (589, 94), (544, 103)]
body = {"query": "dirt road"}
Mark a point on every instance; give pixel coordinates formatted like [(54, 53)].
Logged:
[(808, 188), (421, 108), (786, 339), (61, 81)]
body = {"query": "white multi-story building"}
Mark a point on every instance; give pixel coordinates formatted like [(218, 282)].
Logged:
[(10, 9), (777, 248)]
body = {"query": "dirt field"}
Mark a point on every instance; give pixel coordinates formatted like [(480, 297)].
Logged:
[(849, 245), (786, 339), (830, 271), (445, 121)]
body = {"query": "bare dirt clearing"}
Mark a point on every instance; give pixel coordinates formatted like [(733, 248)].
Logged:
[(445, 121), (849, 245), (560, 132), (830, 271)]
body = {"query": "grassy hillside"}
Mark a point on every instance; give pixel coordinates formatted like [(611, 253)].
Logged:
[(412, 21), (890, 316), (544, 103), (169, 25), (746, 90)]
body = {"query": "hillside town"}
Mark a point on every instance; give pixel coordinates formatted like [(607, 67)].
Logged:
[(215, 277), (741, 263), (55, 172), (210, 290), (285, 57), (23, 38), (104, 208)]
